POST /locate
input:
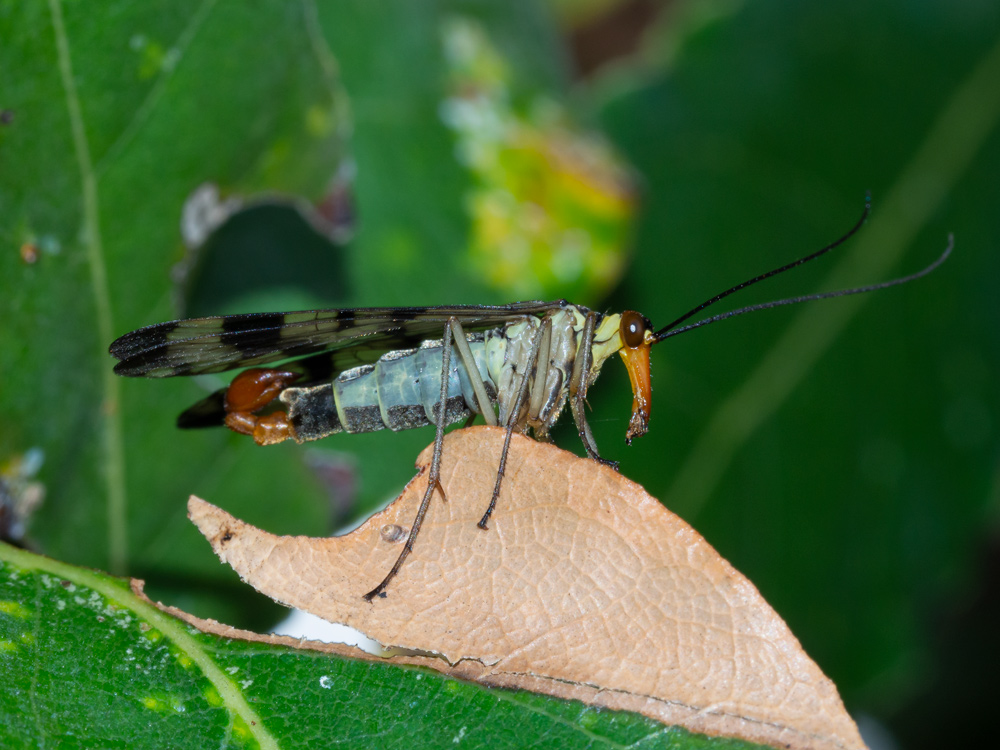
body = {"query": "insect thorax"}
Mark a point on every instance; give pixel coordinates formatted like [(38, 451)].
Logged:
[(548, 393)]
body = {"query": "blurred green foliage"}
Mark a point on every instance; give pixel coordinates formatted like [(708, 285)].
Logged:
[(843, 456)]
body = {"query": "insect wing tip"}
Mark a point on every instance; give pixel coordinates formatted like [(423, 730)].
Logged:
[(141, 341)]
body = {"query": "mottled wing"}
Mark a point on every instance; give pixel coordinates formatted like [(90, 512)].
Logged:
[(205, 345)]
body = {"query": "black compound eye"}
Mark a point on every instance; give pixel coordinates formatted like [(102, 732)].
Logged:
[(633, 328)]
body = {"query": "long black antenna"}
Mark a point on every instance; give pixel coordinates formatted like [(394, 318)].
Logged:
[(672, 330), (666, 333), (661, 334)]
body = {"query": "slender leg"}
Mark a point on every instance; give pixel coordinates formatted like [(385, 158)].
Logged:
[(578, 383), (434, 475), (465, 355), (512, 419), (542, 362)]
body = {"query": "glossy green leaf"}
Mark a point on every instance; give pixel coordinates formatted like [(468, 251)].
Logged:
[(86, 663), (114, 121)]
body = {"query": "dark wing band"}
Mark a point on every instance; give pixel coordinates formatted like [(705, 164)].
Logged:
[(205, 345)]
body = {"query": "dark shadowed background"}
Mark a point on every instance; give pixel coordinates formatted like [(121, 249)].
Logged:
[(215, 158)]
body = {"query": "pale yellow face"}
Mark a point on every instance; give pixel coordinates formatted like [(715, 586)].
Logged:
[(607, 340)]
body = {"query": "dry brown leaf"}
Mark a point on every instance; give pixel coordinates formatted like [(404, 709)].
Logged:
[(584, 587)]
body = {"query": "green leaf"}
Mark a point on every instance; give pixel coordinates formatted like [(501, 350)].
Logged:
[(86, 663), (120, 119)]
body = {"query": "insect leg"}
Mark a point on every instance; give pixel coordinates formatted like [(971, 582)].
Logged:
[(541, 358), (522, 392), (578, 390), (465, 354), (434, 474)]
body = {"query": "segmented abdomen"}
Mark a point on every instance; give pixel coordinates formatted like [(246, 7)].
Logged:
[(400, 391)]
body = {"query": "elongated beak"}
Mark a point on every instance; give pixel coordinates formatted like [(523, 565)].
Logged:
[(637, 364)]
